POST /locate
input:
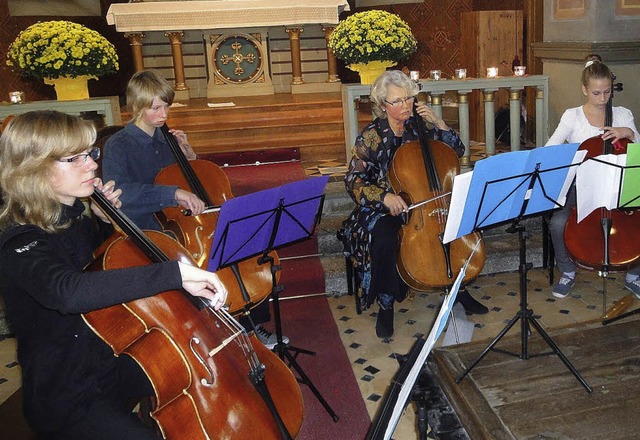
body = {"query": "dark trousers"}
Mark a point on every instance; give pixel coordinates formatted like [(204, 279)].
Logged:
[(557, 223), (386, 284), (110, 417)]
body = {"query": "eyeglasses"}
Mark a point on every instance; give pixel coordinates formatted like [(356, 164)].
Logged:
[(81, 159), (399, 102)]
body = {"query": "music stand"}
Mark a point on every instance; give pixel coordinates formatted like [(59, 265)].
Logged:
[(261, 222), (403, 384), (513, 197)]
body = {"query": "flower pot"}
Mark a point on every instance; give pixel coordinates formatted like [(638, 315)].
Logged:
[(370, 71), (70, 89)]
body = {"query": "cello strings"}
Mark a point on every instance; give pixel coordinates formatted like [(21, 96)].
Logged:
[(239, 335)]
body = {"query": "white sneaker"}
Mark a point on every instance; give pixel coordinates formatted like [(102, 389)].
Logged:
[(269, 339), (634, 286)]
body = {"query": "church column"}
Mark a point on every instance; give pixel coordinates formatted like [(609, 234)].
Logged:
[(436, 103), (135, 41), (541, 118), (463, 118), (489, 124), (332, 65), (178, 62), (515, 111), (296, 62)]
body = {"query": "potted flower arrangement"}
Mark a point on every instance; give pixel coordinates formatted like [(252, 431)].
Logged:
[(59, 50), (371, 41)]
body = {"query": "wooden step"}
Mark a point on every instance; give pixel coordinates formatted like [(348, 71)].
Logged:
[(310, 122), (273, 119)]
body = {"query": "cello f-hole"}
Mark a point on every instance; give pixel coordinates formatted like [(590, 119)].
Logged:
[(197, 231), (419, 226), (193, 343)]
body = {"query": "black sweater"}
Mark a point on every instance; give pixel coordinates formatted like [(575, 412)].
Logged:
[(65, 366)]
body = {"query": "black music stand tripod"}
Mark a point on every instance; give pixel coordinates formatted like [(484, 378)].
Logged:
[(274, 218), (525, 314)]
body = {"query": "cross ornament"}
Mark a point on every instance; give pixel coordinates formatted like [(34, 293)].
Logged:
[(237, 58)]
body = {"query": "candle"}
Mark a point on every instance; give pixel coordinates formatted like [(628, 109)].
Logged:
[(16, 97), (414, 75), (492, 72), (519, 70), (435, 75), (461, 73)]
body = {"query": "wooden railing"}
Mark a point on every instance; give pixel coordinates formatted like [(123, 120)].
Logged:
[(488, 86)]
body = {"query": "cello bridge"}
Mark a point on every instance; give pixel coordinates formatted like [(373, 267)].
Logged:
[(439, 212)]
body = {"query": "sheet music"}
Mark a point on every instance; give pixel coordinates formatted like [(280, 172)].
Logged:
[(630, 196), (461, 185), (597, 183)]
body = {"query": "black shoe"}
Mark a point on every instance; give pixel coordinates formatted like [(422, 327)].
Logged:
[(384, 323), (470, 304)]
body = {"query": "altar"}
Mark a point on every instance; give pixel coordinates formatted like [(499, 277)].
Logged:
[(238, 47)]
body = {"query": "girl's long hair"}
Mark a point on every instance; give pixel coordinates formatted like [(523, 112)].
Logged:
[(29, 146)]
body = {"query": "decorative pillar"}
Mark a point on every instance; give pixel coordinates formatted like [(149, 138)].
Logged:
[(540, 117), (296, 63), (515, 111), (436, 104), (332, 64), (463, 122), (489, 123), (178, 63), (135, 41)]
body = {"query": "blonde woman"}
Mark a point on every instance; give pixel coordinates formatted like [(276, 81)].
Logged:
[(73, 385)]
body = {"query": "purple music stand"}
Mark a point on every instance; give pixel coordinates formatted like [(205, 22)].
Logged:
[(266, 220), (261, 222)]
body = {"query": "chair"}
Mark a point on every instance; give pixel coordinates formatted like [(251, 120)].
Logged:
[(353, 283), (102, 137)]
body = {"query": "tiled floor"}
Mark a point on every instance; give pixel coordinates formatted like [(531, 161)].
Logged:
[(372, 358)]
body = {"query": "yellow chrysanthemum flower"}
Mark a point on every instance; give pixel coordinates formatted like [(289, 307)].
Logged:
[(372, 36), (52, 49)]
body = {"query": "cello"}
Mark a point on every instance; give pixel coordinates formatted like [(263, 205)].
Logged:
[(248, 282), (424, 170), (600, 241), (210, 379)]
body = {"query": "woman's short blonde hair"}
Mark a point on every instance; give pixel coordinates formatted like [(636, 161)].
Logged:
[(143, 87), (380, 86), (29, 146)]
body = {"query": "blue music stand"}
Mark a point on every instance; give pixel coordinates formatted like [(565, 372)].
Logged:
[(261, 222), (511, 186)]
